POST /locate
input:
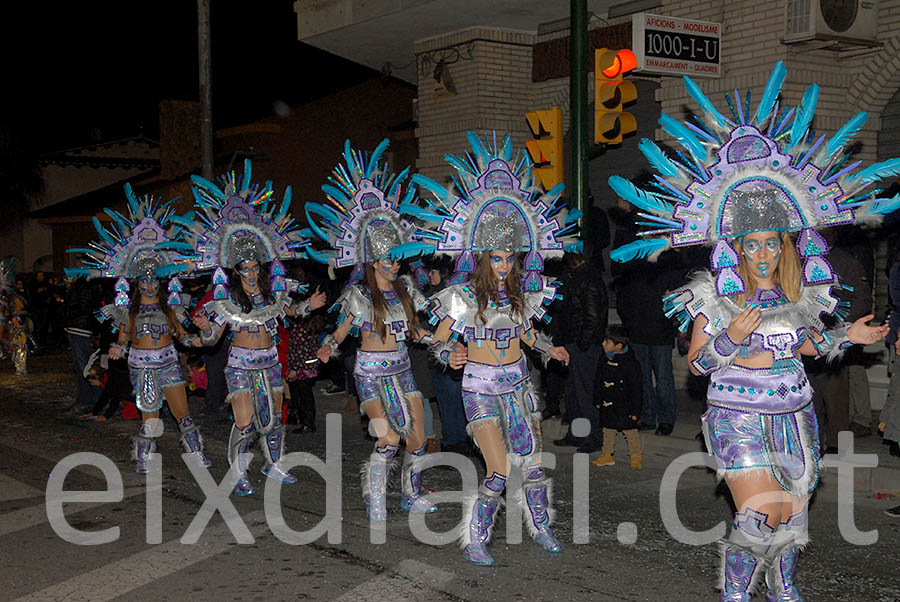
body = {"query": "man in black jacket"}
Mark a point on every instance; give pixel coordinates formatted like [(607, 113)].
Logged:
[(640, 287), (580, 325), (81, 303)]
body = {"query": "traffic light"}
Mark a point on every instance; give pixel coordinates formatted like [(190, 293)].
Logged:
[(611, 93), (546, 149)]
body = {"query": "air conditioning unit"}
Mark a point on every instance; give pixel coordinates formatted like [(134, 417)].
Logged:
[(840, 20)]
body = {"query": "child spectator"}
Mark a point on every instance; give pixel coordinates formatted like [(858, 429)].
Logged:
[(115, 384), (618, 395), (302, 370)]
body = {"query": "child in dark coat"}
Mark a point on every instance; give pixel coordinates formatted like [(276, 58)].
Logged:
[(618, 395)]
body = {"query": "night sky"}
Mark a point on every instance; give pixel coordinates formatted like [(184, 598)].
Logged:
[(81, 72)]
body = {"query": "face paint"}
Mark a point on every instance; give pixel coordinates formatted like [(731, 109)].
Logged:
[(501, 265), (762, 255), (148, 287), (388, 269), (249, 273)]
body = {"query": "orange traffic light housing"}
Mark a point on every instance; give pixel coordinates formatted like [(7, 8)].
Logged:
[(546, 147), (612, 92)]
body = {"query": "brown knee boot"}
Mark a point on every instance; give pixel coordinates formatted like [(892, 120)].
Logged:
[(634, 448), (606, 452)]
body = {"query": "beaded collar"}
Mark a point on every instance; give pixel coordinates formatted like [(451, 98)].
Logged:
[(258, 300), (767, 298)]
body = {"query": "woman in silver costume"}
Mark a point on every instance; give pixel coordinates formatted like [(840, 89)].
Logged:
[(362, 227), (144, 247), (754, 181), (241, 229), (490, 308), (148, 327)]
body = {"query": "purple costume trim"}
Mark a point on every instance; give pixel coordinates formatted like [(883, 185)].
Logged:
[(244, 361), (386, 376), (151, 371), (504, 393), (779, 433), (758, 390)]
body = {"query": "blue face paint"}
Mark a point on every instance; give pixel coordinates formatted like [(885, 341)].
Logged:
[(497, 261), (148, 287), (752, 251), (388, 269)]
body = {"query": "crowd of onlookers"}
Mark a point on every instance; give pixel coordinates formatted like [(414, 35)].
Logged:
[(63, 314)]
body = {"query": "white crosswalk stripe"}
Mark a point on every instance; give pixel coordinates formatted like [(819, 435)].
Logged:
[(404, 583), (122, 576)]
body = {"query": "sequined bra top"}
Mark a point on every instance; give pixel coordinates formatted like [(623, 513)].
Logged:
[(355, 304), (458, 302), (784, 325), (150, 320)]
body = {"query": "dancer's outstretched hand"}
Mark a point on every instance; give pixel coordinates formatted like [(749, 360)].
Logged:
[(862, 334), (324, 353), (317, 299), (559, 353)]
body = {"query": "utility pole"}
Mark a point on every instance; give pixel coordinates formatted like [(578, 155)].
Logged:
[(205, 59), (578, 182)]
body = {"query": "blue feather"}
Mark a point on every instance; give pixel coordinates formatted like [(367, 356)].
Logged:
[(876, 172), (506, 148), (376, 155), (412, 249), (81, 250), (770, 94), (478, 148), (804, 115), (697, 94), (574, 247), (657, 158), (102, 231), (430, 185), (213, 190), (248, 172), (186, 220), (323, 211), (573, 216), (351, 163), (419, 212), (847, 131), (638, 197), (285, 203), (77, 272), (458, 163), (316, 255), (335, 192), (401, 177), (132, 199), (638, 249), (168, 270), (118, 219), (885, 206), (554, 193), (685, 137)]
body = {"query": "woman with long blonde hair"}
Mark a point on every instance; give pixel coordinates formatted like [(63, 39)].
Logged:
[(768, 300)]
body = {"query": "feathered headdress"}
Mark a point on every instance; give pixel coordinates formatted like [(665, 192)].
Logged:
[(362, 223), (497, 207), (753, 171), (239, 221), (148, 242)]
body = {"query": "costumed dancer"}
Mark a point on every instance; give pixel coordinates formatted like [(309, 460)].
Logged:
[(13, 318), (362, 226), (141, 250), (745, 182), (241, 228), (490, 305)]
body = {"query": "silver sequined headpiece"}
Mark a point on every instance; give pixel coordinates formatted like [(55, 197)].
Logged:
[(145, 264), (245, 246), (757, 211), (500, 228), (380, 237)]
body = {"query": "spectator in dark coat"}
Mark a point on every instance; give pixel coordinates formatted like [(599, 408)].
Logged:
[(640, 287), (618, 394), (580, 326), (80, 306)]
